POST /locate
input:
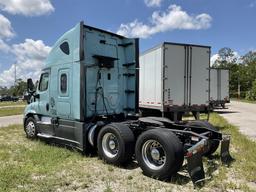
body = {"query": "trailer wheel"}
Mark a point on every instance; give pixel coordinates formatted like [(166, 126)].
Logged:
[(30, 128), (214, 144), (115, 143), (159, 153)]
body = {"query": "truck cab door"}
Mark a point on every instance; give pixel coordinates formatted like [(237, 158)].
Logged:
[(43, 92), (44, 124)]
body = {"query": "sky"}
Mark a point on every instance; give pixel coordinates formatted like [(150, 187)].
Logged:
[(29, 28)]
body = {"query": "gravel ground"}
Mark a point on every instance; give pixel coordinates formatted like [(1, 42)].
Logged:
[(243, 115)]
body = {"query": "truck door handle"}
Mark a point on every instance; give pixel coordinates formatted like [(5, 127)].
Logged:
[(47, 106)]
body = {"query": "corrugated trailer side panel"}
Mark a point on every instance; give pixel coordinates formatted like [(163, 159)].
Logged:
[(224, 88), (199, 86), (174, 85), (151, 79), (214, 84)]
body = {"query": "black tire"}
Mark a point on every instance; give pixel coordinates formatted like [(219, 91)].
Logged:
[(30, 128), (122, 138), (214, 144), (170, 146)]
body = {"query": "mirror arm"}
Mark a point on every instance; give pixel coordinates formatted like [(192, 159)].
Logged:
[(37, 96)]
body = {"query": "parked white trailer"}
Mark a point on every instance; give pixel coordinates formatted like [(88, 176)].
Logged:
[(174, 79), (219, 87)]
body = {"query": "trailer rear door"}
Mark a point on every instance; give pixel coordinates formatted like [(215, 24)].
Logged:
[(199, 72), (214, 84), (224, 84), (175, 75)]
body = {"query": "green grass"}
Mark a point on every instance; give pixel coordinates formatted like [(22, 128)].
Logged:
[(243, 149), (7, 111), (10, 103), (32, 165)]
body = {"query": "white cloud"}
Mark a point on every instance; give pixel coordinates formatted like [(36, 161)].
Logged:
[(153, 3), (4, 47), (30, 57), (214, 58), (173, 18), (27, 7), (6, 30)]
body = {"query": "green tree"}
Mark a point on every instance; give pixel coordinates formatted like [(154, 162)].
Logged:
[(3, 91), (251, 95), (249, 58), (228, 60), (20, 87)]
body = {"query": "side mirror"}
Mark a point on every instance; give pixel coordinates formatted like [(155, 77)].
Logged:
[(30, 85)]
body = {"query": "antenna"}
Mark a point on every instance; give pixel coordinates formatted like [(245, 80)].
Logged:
[(15, 75)]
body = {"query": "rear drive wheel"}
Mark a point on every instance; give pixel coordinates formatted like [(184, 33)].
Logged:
[(115, 143), (31, 128), (159, 153), (214, 144)]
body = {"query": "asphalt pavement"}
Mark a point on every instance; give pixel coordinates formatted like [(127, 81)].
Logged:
[(11, 120), (11, 106), (243, 115)]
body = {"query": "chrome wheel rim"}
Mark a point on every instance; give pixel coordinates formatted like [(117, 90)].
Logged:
[(153, 154), (110, 145), (31, 129)]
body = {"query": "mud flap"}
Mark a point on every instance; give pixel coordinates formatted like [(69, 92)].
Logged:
[(195, 168), (224, 152)]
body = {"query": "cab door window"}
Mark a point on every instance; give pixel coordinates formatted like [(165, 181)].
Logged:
[(63, 83), (44, 81)]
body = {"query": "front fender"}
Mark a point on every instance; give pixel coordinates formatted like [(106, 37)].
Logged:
[(30, 110)]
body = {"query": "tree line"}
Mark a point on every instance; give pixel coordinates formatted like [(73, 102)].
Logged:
[(242, 72), (18, 89)]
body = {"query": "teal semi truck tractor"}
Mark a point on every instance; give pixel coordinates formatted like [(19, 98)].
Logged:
[(87, 98)]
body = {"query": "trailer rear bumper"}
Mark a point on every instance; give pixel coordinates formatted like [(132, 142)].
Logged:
[(195, 162)]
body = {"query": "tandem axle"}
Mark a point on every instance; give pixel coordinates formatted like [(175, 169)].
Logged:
[(159, 145)]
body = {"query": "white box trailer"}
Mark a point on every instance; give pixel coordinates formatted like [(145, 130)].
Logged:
[(219, 87), (174, 79)]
